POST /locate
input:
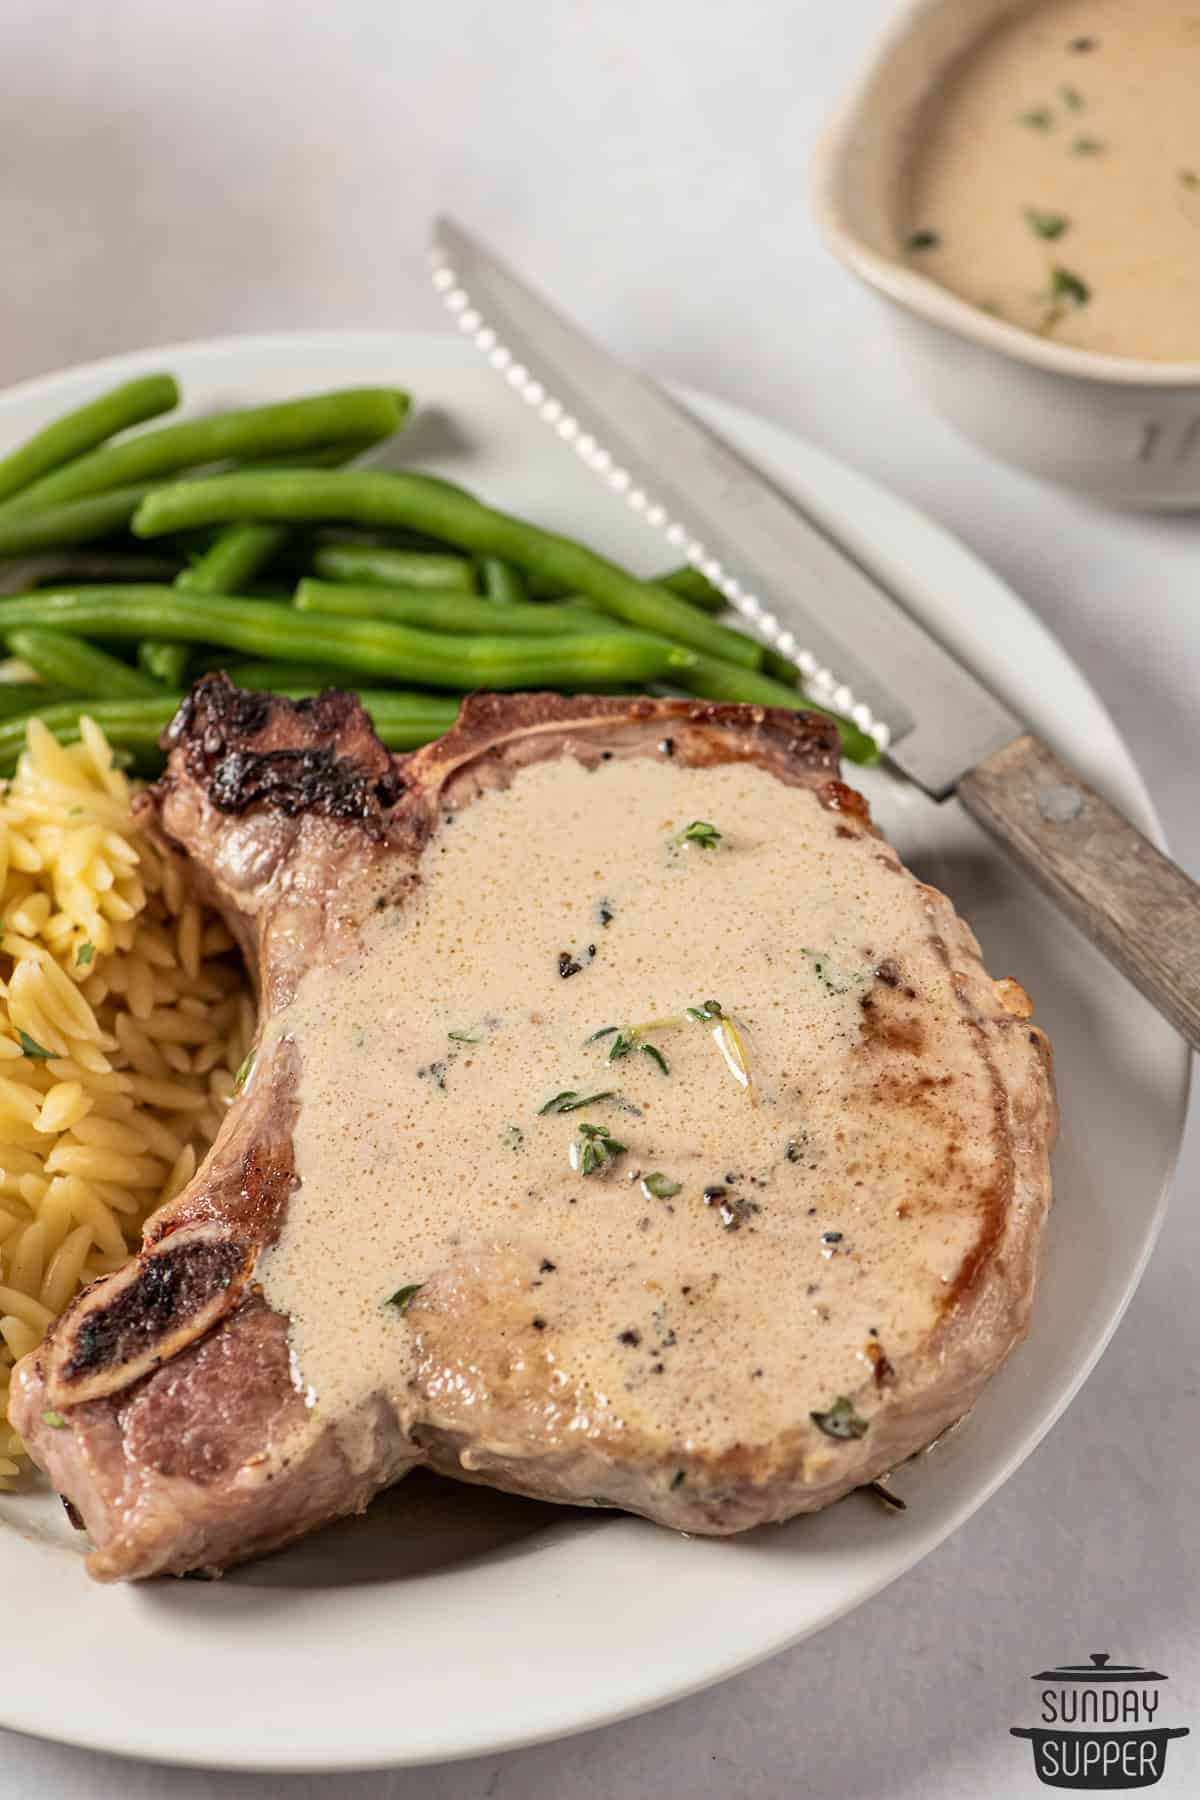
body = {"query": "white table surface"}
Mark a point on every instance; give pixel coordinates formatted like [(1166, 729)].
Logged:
[(211, 166)]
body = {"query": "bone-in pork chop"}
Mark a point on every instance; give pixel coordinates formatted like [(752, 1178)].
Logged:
[(627, 1126)]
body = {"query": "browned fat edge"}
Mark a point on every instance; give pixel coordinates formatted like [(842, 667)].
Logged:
[(318, 756)]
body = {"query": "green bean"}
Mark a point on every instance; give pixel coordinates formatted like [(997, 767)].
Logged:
[(277, 431), (712, 679), (395, 652), (375, 564), (166, 663), (80, 667), (80, 431), (19, 698), (503, 585), (465, 614), (71, 522), (689, 584), (127, 724), (393, 499), (233, 558)]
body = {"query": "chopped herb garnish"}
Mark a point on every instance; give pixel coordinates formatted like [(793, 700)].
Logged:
[(54, 1419), (1046, 224), (924, 240), (605, 913), (833, 978), (655, 1055), (84, 955), (1072, 99), (626, 1041), (243, 1070), (1038, 118), (465, 1037), (698, 832), (570, 1100), (31, 1047), (1067, 286), (514, 1137), (595, 1149), (660, 1186), (1086, 146), (727, 1035), (841, 1421), (1189, 178), (403, 1297)]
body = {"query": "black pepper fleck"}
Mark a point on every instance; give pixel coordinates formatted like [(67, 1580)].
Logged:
[(677, 1480), (657, 1368), (546, 1267), (667, 746), (539, 1324), (567, 966), (631, 1337), (831, 1237)]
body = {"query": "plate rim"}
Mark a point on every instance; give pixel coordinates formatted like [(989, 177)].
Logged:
[(334, 342)]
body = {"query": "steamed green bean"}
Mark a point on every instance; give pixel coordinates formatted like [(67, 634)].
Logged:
[(503, 585), (404, 500), (396, 652), (376, 564), (69, 662), (166, 663), (67, 522), (79, 431), (263, 431), (460, 614)]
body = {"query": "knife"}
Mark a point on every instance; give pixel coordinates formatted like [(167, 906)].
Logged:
[(858, 648)]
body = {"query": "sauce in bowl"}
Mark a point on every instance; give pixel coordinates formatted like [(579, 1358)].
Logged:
[(1055, 180)]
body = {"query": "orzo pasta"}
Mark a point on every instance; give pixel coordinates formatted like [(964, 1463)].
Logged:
[(124, 1015)]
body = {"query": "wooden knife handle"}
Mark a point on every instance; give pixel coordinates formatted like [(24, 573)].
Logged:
[(1130, 900)]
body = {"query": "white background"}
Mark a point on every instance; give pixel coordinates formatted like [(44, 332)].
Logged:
[(177, 168)]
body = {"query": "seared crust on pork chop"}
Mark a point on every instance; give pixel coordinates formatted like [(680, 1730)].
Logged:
[(188, 1443)]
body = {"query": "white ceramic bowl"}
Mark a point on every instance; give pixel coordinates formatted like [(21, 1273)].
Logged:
[(1115, 428)]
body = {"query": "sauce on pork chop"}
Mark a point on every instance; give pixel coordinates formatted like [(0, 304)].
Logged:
[(593, 1192)]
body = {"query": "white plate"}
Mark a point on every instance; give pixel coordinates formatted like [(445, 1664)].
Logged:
[(450, 1622)]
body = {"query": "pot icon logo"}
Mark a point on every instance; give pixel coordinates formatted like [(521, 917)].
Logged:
[(1099, 1726)]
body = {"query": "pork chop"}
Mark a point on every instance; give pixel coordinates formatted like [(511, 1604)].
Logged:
[(627, 1127)]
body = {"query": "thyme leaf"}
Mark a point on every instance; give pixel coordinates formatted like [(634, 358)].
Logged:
[(595, 1148), (841, 1420), (832, 977), (1086, 146), (569, 1100), (466, 1037), (54, 1419), (84, 955), (243, 1070), (1189, 178), (924, 240), (32, 1048), (1038, 118), (698, 832), (660, 1186), (1072, 99), (1046, 224), (893, 1502), (706, 1011), (403, 1297)]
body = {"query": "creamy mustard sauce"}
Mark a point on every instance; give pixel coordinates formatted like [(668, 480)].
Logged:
[(774, 1219), (1055, 180)]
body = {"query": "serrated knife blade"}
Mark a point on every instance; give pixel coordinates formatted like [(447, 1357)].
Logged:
[(803, 593), (797, 588)]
